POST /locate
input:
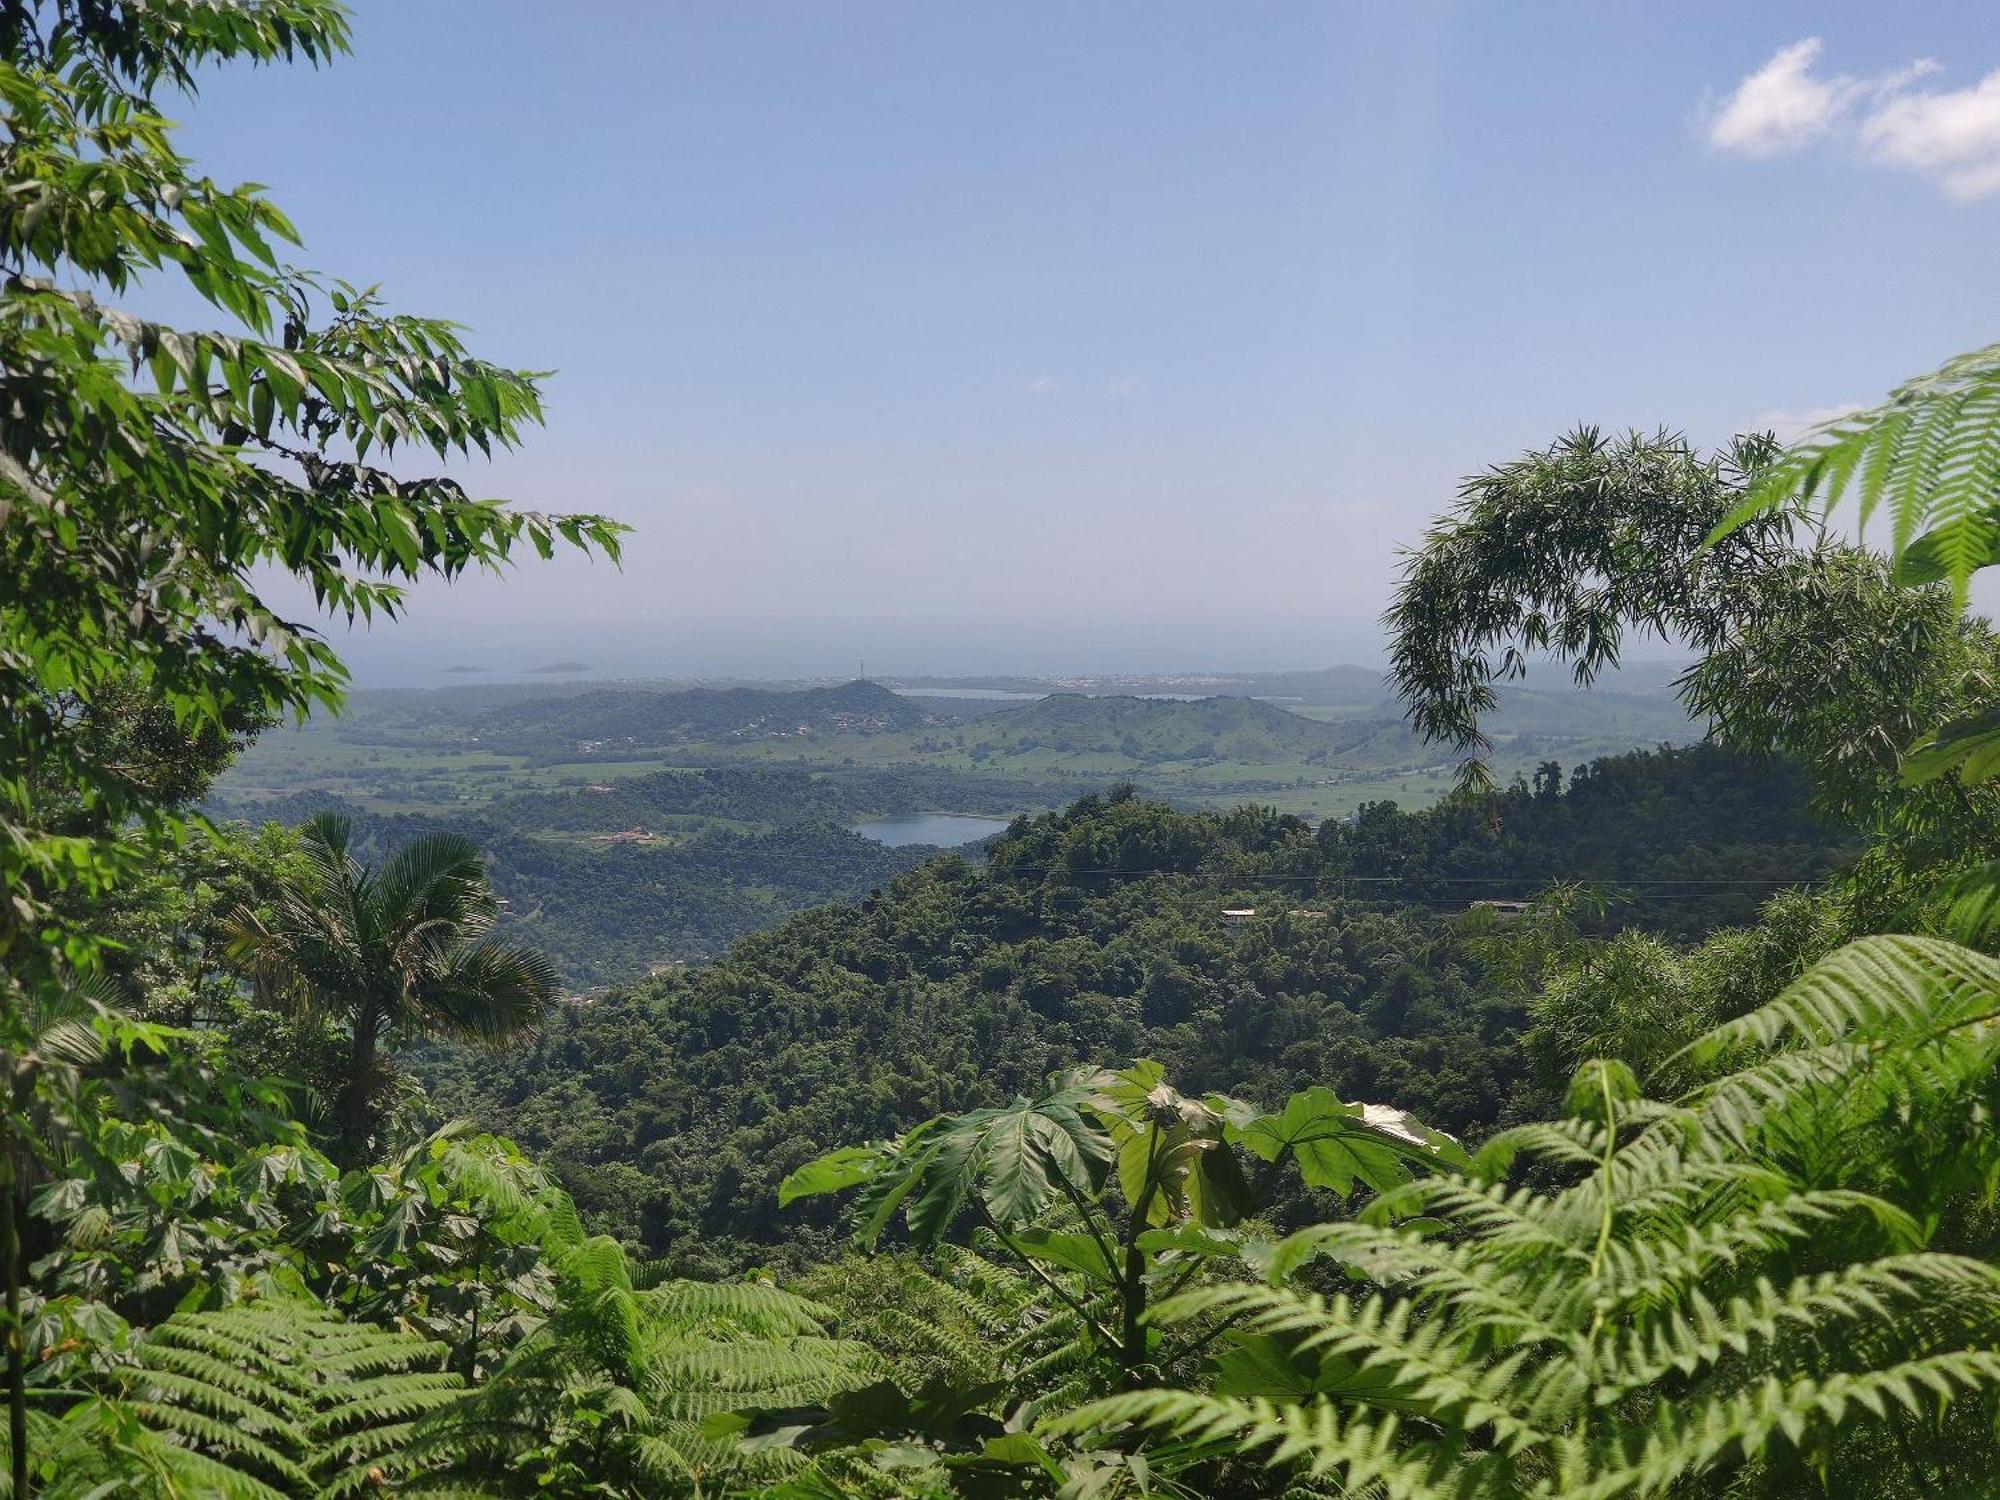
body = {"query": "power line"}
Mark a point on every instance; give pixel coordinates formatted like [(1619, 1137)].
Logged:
[(1658, 887)]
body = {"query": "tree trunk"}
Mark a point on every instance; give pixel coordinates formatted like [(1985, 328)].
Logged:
[(1132, 1318), (1132, 1289), (356, 1112), (17, 1377)]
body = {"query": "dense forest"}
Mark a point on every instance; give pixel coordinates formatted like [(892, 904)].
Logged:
[(621, 719), (662, 870), (672, 1110), (1321, 753), (1620, 1133)]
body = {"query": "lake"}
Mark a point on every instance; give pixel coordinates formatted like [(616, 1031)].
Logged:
[(946, 830)]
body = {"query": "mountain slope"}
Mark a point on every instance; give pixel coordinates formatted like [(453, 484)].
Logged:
[(673, 1109), (1160, 729), (628, 717)]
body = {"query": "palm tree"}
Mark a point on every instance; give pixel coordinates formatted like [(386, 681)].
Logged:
[(397, 951)]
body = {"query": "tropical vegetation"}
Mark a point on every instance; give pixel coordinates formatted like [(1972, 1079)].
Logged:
[(1184, 1154)]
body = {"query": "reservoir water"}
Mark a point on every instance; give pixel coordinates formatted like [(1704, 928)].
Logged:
[(946, 830)]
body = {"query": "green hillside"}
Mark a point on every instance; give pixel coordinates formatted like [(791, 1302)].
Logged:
[(662, 869), (624, 718), (673, 1109), (1151, 729)]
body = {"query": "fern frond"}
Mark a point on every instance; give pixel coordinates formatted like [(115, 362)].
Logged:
[(395, 1399), (278, 1393), (1365, 1451), (1905, 983), (755, 1308), (1425, 1360), (1463, 1276), (222, 1440), (1930, 453), (1643, 1272), (1701, 1334), (1799, 1415)]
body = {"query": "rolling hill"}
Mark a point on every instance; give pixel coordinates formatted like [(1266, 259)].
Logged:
[(629, 717), (1151, 730)]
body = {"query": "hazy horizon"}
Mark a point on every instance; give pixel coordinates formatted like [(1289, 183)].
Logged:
[(406, 654), (388, 659)]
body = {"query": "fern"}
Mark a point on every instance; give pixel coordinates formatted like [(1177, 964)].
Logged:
[(1688, 1305), (1930, 455), (276, 1398), (615, 1387)]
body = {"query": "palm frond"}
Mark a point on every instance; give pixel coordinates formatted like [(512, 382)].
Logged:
[(490, 992)]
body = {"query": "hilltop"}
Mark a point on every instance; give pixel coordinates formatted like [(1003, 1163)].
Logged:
[(628, 717), (673, 1108), (1154, 729)]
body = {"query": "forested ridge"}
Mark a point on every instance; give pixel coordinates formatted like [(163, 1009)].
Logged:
[(671, 1110), (607, 910), (636, 716)]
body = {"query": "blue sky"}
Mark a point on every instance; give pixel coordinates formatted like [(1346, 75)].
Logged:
[(1107, 335)]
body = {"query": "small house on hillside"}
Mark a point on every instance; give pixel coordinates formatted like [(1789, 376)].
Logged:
[(1502, 909), (629, 836), (1237, 916)]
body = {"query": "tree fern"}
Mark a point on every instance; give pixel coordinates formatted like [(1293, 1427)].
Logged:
[(958, 1313), (615, 1387), (1689, 1305), (1929, 454), (272, 1398)]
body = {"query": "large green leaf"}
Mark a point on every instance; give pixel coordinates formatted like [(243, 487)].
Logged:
[(1263, 1364), (1277, 1368), (834, 1172), (1014, 1161), (1022, 1150), (1172, 1150), (1337, 1144), (1969, 746), (1074, 1252), (1188, 1239)]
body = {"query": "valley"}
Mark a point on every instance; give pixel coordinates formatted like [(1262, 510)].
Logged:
[(673, 1107), (631, 826), (1334, 743), (450, 1049)]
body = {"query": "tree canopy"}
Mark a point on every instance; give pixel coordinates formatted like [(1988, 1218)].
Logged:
[(1144, 1116), (153, 478)]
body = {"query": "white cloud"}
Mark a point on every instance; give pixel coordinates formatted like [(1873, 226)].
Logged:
[(1790, 426), (1953, 136), (1044, 385), (1782, 107), (1122, 385)]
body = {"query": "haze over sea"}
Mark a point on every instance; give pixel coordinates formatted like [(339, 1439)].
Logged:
[(406, 656)]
